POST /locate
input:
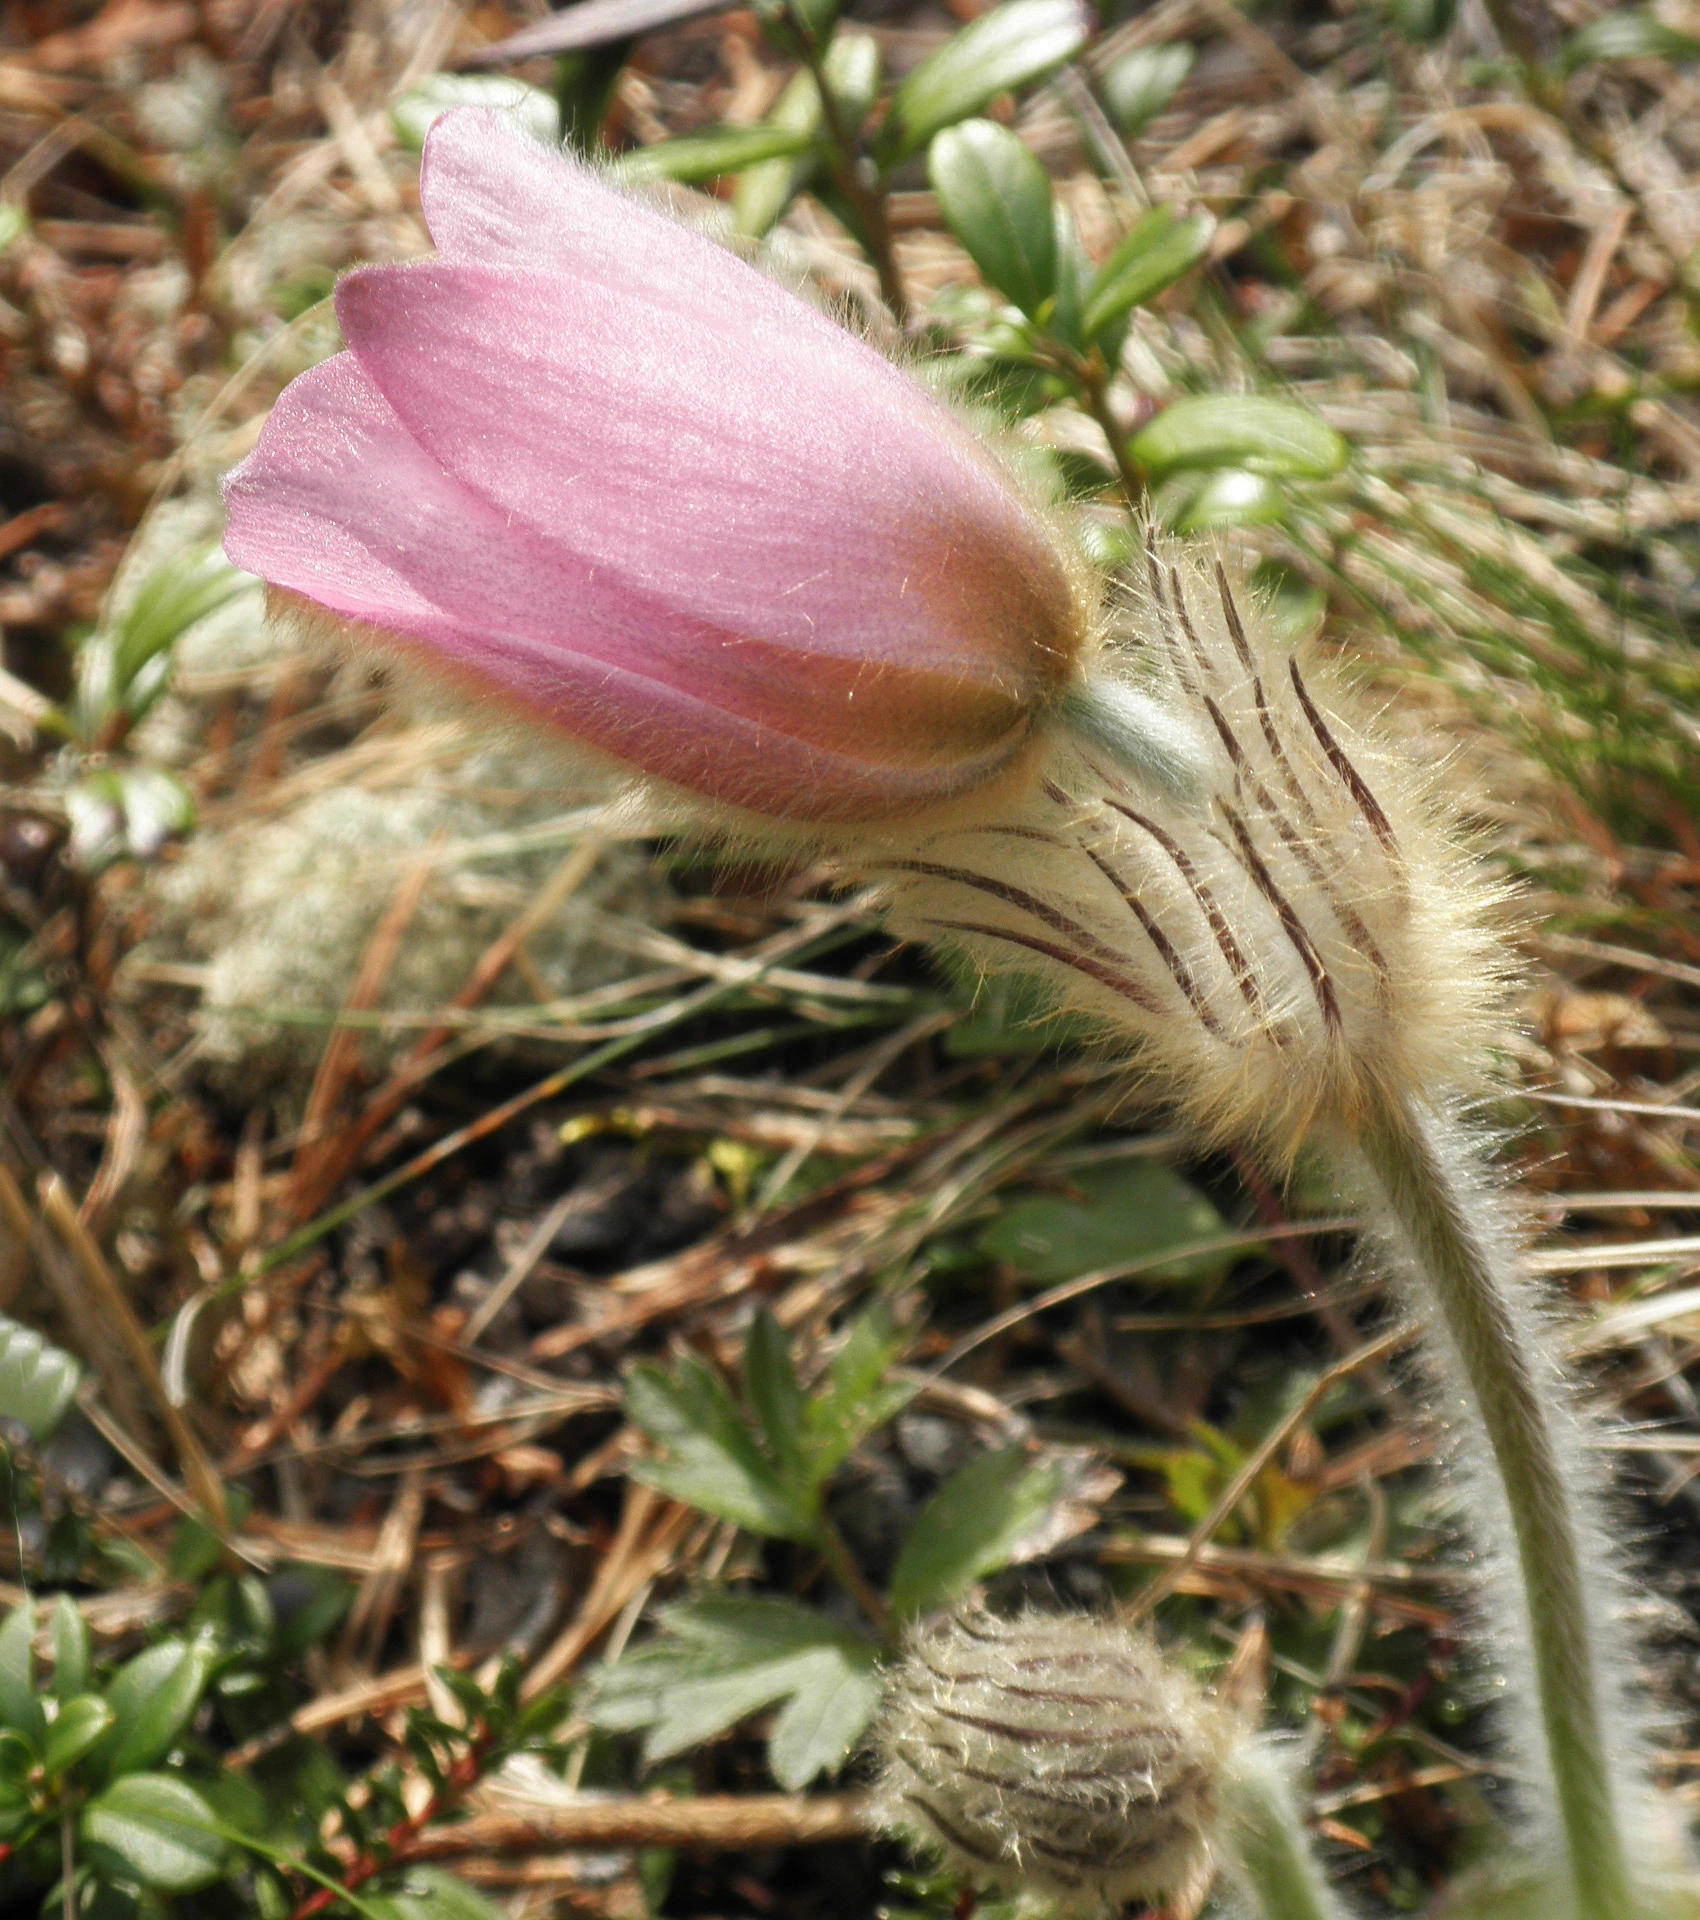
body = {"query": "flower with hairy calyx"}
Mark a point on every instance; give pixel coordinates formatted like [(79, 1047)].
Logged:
[(594, 465)]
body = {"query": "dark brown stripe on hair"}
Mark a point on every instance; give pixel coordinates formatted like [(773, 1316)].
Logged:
[(1354, 781), (1291, 924), (1090, 969)]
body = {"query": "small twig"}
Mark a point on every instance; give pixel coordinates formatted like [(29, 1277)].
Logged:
[(722, 1822)]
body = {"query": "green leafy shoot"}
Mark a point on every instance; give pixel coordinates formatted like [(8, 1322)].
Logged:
[(1161, 248), (720, 1659), (972, 1526), (1138, 86), (708, 156), (1250, 430), (996, 199), (767, 1474)]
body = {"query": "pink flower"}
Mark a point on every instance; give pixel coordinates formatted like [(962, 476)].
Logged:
[(603, 470)]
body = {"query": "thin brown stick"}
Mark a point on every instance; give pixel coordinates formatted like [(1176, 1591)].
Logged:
[(723, 1823)]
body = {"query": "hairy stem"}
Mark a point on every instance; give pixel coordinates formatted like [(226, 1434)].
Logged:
[(1267, 1841), (1424, 1177)]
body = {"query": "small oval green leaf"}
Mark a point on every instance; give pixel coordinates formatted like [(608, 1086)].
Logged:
[(1242, 430), (81, 1723), (1225, 497), (150, 1828), (70, 1649), (20, 1706), (38, 1381), (1628, 33), (153, 1698), (1161, 248), (1008, 48), (1138, 86), (707, 156), (996, 199)]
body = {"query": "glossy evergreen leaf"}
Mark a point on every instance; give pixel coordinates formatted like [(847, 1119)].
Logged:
[(1004, 50), (707, 156), (1138, 86), (156, 1830), (70, 1649), (1161, 248), (38, 1381), (1226, 497), (971, 1527), (996, 199), (433, 1893), (153, 1698), (81, 1723), (20, 1704), (1248, 430)]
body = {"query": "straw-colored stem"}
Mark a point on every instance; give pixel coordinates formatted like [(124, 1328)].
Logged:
[(1445, 1220)]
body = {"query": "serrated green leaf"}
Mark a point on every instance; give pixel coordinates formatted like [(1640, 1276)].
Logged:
[(1119, 1215), (414, 114), (1138, 86), (970, 1528), (20, 1704), (81, 1723), (712, 1459), (1160, 249), (1004, 50), (38, 1381), (1227, 497), (1626, 33), (70, 1649), (708, 156), (156, 1830), (153, 1698), (775, 1397), (720, 1659), (996, 199), (857, 1396), (1249, 430)]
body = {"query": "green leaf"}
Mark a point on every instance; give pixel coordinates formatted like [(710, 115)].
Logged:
[(1423, 21), (858, 1398), (155, 1830), (1124, 1213), (775, 1397), (1138, 86), (996, 199), (1225, 497), (971, 1527), (713, 1459), (153, 1698), (1004, 50), (1626, 33), (70, 1649), (38, 1381), (707, 156), (1161, 247), (14, 224), (720, 1659), (20, 1704), (432, 1893), (173, 598), (1240, 430), (80, 1724), (414, 114)]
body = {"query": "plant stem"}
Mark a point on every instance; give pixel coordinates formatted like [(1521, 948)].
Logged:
[(1267, 1839), (830, 1545), (1094, 387), (1446, 1220)]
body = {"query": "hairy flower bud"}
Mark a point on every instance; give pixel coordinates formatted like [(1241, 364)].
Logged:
[(596, 466), (1056, 1753)]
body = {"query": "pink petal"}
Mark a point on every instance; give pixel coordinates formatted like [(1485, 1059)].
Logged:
[(341, 505), (796, 490)]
